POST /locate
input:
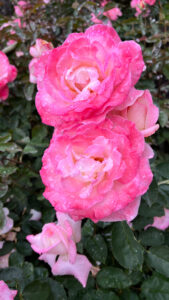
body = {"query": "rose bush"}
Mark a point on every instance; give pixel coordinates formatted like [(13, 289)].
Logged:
[(127, 262), (88, 75), (96, 171)]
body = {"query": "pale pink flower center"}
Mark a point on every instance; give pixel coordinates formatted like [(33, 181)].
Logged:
[(83, 78), (90, 166), (49, 238)]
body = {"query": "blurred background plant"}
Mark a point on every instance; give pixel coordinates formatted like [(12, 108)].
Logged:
[(134, 263)]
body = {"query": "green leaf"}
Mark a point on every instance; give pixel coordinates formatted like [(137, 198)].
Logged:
[(97, 295), (39, 132), (114, 278), (3, 189), (163, 118), (109, 6), (37, 290), (2, 216), (6, 171), (152, 237), (129, 295), (88, 228), (96, 248), (29, 149), (163, 169), (158, 258), (140, 222), (10, 147), (57, 290), (11, 274), (41, 273), (24, 248), (135, 276), (127, 251), (48, 215), (6, 137), (155, 210), (152, 194), (155, 288), (7, 247), (28, 91), (16, 259), (108, 295), (166, 70), (28, 272)]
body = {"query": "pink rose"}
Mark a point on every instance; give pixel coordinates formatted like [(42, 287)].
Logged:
[(161, 223), (103, 3), (113, 13), (11, 42), (140, 5), (5, 292), (97, 171), (7, 74), (8, 225), (59, 240), (88, 75), (141, 111), (21, 8), (36, 51), (40, 47)]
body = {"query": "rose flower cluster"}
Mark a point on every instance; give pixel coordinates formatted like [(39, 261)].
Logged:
[(97, 163)]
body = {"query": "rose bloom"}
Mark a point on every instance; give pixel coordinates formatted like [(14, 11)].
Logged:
[(21, 8), (5, 292), (7, 74), (60, 240), (161, 223), (36, 51), (113, 13), (139, 109), (97, 171), (88, 75), (140, 5)]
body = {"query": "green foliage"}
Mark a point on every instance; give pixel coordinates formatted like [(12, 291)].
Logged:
[(133, 263), (125, 248)]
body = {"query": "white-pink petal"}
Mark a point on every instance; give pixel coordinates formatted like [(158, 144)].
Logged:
[(80, 269)]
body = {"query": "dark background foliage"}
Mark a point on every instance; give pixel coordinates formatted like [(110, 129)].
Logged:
[(133, 263)]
